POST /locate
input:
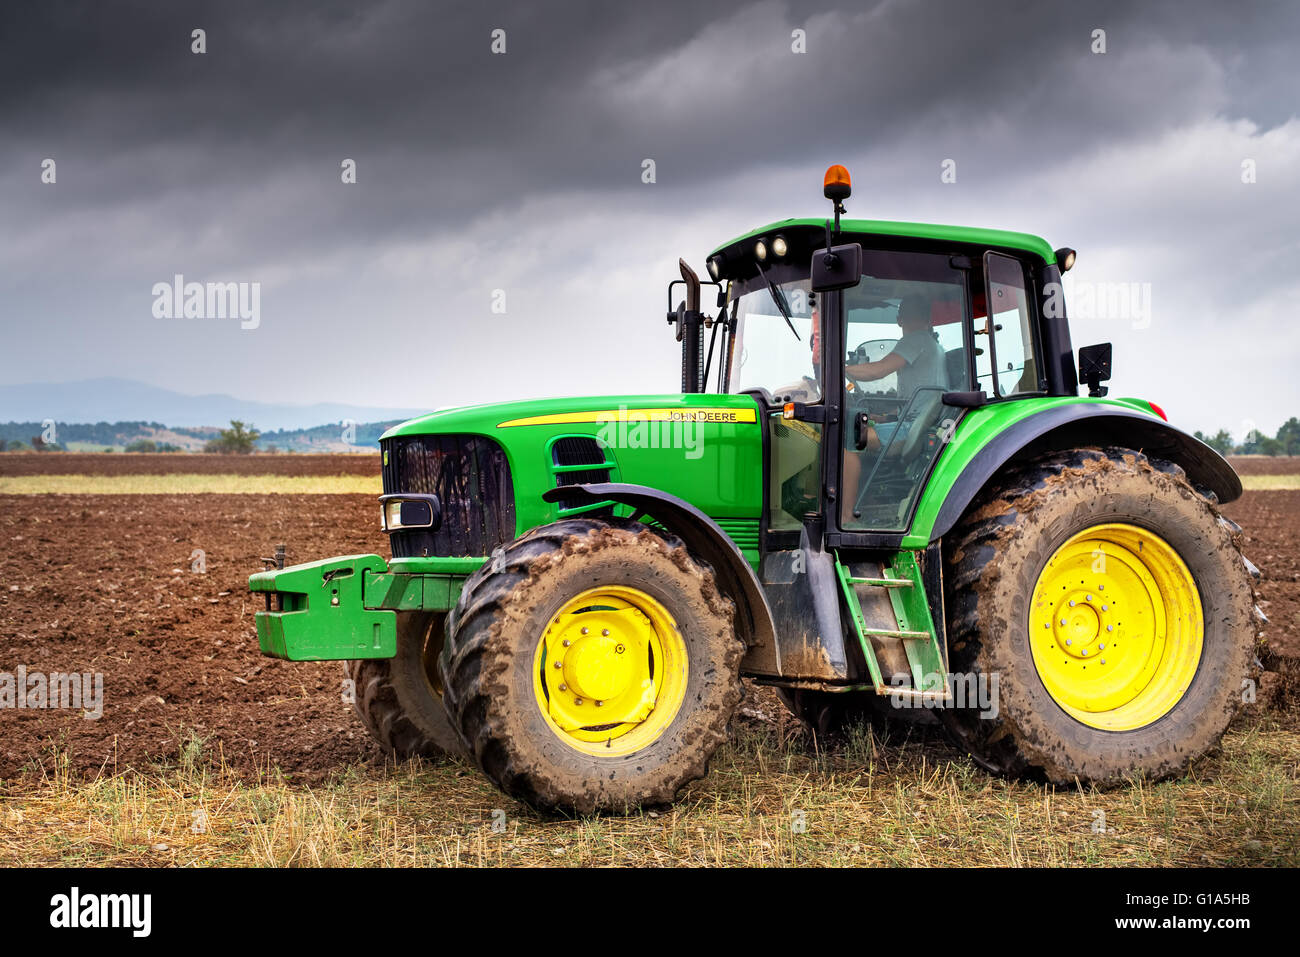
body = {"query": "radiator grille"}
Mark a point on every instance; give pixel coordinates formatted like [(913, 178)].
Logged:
[(471, 477)]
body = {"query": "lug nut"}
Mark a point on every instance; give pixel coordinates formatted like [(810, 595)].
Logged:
[(566, 642), (1068, 641), (1103, 661), (1110, 627), (1087, 598), (1101, 647), (577, 701), (1063, 621), (584, 631), (1084, 652), (599, 703), (564, 687), (1071, 602), (559, 663), (604, 632), (1101, 588)]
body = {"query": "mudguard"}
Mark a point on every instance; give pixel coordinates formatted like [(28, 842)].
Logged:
[(704, 538), (1076, 425)]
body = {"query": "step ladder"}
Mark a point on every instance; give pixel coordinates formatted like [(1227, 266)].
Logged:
[(912, 627)]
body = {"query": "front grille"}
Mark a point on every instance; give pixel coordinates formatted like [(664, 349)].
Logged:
[(471, 477)]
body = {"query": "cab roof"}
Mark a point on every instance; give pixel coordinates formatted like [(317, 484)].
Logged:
[(1006, 239)]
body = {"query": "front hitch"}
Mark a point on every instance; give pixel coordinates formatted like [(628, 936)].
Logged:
[(317, 611)]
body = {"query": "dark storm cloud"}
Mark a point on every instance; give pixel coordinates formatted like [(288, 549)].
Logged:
[(478, 170), (586, 90)]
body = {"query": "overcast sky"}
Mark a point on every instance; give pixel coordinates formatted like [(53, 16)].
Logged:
[(522, 172)]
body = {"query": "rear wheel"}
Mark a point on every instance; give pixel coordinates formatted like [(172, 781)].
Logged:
[(1107, 608), (592, 666), (399, 699)]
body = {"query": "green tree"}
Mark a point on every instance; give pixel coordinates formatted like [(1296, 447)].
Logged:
[(238, 439), (142, 445), (1289, 436), (1221, 441), (1269, 446)]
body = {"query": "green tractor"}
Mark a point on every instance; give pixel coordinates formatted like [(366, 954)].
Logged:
[(878, 489)]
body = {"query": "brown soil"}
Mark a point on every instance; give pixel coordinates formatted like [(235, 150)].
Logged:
[(103, 583), (181, 463), (1271, 524), (1265, 464)]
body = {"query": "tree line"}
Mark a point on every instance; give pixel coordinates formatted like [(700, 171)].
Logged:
[(1286, 442)]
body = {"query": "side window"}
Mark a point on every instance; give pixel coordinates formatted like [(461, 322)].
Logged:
[(1006, 365)]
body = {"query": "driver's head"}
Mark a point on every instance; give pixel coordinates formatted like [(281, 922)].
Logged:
[(914, 313)]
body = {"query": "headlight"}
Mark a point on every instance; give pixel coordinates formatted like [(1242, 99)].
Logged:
[(422, 512), (779, 246), (760, 250)]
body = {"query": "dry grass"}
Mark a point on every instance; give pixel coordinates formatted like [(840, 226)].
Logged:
[(188, 484), (1270, 483), (863, 804)]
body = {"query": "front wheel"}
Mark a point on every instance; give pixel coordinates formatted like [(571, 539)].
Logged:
[(399, 699), (1109, 614), (592, 666)]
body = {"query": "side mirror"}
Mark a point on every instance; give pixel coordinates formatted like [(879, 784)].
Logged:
[(837, 267), (1094, 368)]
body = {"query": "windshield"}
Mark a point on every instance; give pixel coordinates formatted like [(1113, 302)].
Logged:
[(766, 353)]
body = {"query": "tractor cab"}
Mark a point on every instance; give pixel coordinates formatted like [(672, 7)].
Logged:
[(863, 377)]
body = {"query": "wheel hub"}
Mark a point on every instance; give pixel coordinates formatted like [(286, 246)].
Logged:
[(1077, 630), (598, 667)]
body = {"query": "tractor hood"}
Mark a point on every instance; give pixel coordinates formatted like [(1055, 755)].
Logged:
[(704, 449), (492, 417)]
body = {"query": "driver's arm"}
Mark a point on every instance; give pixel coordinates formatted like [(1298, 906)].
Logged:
[(870, 371)]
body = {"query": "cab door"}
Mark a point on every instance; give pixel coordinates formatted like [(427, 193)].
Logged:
[(908, 314)]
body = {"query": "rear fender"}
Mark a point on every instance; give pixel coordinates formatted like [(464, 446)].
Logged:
[(1074, 424)]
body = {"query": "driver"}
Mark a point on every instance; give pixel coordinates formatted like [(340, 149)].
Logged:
[(918, 358)]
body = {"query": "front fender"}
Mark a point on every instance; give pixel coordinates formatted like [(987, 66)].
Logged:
[(703, 538), (990, 438)]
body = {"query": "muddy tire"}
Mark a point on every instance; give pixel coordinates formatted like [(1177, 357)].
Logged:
[(399, 699), (1004, 563), (520, 632)]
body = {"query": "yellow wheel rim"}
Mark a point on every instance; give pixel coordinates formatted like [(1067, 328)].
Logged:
[(1116, 627), (610, 671)]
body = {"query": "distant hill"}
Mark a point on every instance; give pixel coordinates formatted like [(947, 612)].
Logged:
[(111, 400), (98, 436)]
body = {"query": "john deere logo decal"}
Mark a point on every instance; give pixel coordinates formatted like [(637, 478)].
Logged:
[(719, 416)]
